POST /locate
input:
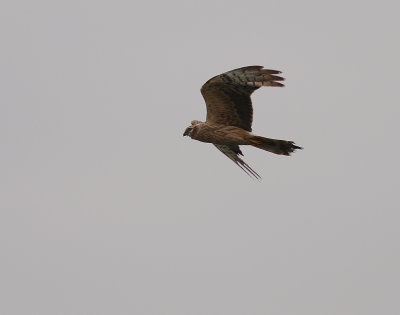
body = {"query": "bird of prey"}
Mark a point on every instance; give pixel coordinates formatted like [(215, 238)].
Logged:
[(230, 114)]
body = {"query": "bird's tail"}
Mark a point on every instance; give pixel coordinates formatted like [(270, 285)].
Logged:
[(281, 147)]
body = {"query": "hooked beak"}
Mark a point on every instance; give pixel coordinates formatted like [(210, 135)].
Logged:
[(187, 131)]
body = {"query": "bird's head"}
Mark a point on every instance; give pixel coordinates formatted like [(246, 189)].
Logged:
[(189, 129)]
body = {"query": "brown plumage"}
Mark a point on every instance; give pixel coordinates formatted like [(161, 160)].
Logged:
[(230, 114)]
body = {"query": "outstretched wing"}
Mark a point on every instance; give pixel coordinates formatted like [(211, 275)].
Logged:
[(233, 152), (227, 95)]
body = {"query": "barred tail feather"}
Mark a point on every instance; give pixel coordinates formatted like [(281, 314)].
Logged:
[(281, 147)]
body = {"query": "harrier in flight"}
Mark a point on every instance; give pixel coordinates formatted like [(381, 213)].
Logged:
[(230, 114)]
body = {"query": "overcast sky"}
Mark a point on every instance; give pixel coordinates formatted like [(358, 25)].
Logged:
[(107, 209)]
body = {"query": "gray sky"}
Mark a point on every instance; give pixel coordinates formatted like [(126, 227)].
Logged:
[(107, 209)]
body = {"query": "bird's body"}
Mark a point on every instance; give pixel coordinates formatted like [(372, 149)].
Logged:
[(230, 114), (220, 134)]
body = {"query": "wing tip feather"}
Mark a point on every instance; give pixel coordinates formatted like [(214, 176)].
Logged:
[(234, 156)]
